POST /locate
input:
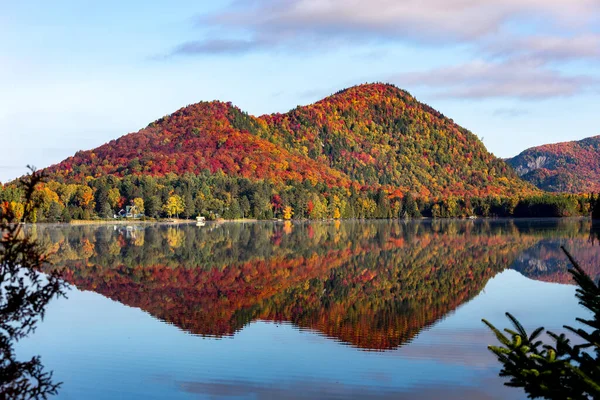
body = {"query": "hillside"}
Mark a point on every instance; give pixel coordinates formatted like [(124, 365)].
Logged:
[(373, 135), (379, 134), (198, 137), (572, 167)]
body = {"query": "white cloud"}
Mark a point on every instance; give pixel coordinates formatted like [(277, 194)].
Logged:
[(482, 79), (419, 20), (512, 62), (549, 48)]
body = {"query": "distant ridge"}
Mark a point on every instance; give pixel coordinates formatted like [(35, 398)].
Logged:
[(572, 167)]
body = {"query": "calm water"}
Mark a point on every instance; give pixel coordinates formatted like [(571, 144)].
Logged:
[(381, 310)]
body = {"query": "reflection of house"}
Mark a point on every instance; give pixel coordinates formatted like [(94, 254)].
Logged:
[(129, 212)]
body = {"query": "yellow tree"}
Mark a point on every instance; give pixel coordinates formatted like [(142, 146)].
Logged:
[(66, 193), (114, 197), (138, 203), (288, 212), (336, 213), (174, 206), (84, 196), (319, 210), (43, 197), (18, 210)]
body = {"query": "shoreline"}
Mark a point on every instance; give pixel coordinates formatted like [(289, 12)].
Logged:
[(249, 220), (123, 222)]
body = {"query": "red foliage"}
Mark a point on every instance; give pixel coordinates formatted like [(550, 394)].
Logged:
[(371, 135)]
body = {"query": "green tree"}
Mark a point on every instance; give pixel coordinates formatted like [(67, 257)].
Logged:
[(409, 207), (105, 211), (54, 212), (102, 202), (114, 197), (66, 215), (233, 211), (190, 205), (245, 206), (152, 206), (559, 370)]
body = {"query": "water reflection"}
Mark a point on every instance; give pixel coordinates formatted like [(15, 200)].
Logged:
[(373, 285)]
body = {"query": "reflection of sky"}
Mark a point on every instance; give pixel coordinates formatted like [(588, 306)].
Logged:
[(104, 350)]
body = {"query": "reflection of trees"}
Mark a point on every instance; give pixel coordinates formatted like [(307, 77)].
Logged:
[(372, 284), (595, 232), (24, 294)]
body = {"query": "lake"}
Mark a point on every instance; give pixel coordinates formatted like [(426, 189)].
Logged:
[(280, 310)]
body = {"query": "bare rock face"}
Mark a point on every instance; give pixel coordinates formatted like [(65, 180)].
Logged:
[(532, 165)]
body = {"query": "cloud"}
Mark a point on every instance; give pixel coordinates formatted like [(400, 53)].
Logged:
[(547, 48), (510, 112), (521, 79), (425, 20), (491, 26), (511, 62), (217, 46)]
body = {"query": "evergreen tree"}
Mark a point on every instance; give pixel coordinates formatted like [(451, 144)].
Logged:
[(54, 212), (66, 215), (190, 206), (105, 211), (233, 211), (102, 200), (409, 208), (595, 205), (152, 206), (24, 295), (245, 207), (559, 370)]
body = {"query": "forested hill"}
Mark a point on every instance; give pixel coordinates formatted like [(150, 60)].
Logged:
[(562, 167), (373, 135), (370, 151), (379, 134), (200, 137)]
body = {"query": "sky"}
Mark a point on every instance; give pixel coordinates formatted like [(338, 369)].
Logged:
[(77, 74)]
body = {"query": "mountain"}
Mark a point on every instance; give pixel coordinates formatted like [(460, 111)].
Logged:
[(572, 167), (369, 136)]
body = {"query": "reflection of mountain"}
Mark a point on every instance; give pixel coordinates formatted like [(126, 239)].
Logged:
[(383, 297), (373, 285), (546, 261)]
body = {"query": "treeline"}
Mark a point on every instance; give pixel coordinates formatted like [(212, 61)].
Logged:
[(595, 205), (220, 196)]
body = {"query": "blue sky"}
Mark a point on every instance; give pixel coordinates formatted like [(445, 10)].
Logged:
[(75, 75)]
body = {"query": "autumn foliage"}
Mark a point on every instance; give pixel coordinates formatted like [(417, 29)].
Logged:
[(572, 167), (372, 136)]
